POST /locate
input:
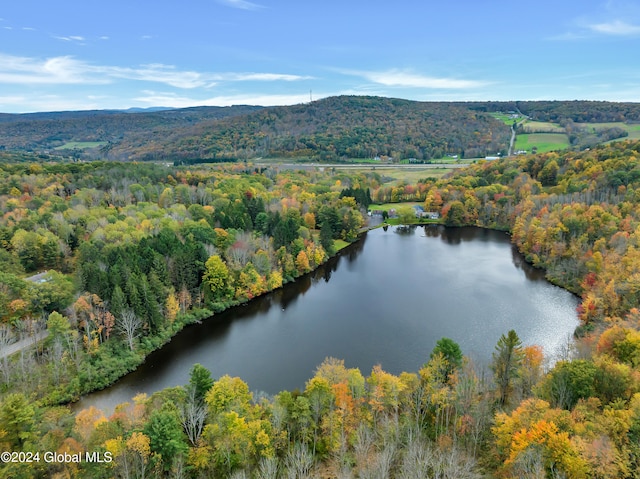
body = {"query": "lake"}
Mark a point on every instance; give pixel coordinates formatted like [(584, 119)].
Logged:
[(384, 300)]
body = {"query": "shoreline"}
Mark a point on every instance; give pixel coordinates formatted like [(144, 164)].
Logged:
[(201, 315)]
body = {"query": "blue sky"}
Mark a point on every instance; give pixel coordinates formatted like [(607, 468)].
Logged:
[(97, 54)]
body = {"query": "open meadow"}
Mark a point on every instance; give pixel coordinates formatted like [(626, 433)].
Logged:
[(632, 129), (544, 142), (542, 127)]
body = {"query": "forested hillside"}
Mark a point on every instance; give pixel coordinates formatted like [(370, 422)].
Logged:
[(45, 131), (136, 251), (334, 129), (559, 111), (330, 129)]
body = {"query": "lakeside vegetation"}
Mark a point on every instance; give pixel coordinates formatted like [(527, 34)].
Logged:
[(136, 251)]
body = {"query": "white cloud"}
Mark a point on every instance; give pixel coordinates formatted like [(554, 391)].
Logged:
[(29, 29), (616, 27), (68, 70), (241, 4), (70, 38), (262, 77), (400, 78), (12, 100), (159, 74), (33, 103), (56, 70), (152, 98), (104, 37)]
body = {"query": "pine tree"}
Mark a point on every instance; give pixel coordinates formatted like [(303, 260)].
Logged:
[(506, 362)]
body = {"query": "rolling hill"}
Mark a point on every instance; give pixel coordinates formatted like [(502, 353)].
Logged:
[(331, 129)]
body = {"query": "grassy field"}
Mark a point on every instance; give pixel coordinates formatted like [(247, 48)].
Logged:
[(81, 145), (633, 130), (399, 176), (506, 118), (340, 244), (542, 127), (392, 206), (544, 142)]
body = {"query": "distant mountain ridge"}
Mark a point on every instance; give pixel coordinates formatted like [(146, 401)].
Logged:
[(44, 131), (332, 129)]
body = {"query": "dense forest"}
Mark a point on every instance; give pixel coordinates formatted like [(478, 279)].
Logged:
[(38, 132), (136, 251), (559, 111), (334, 129), (331, 129)]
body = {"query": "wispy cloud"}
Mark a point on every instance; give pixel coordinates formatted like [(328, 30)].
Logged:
[(104, 37), (152, 98), (262, 77), (47, 103), (68, 70), (403, 78), (56, 70), (241, 4), (29, 29), (617, 27), (70, 38)]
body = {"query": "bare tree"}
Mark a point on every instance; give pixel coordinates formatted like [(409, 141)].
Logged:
[(242, 474), (530, 464), (193, 414), (267, 468), (129, 324), (422, 460), (363, 445), (379, 466), (299, 462)]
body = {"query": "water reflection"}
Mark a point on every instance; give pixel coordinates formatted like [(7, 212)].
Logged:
[(531, 273), (384, 300)]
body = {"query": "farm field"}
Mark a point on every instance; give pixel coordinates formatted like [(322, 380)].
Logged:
[(542, 127), (397, 176), (633, 130), (544, 142)]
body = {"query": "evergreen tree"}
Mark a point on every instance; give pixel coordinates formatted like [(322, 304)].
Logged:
[(118, 302), (451, 352), (506, 362)]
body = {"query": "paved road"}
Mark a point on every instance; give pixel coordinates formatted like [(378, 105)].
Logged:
[(512, 141), (23, 344)]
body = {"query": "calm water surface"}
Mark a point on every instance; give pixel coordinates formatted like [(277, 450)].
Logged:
[(386, 301)]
